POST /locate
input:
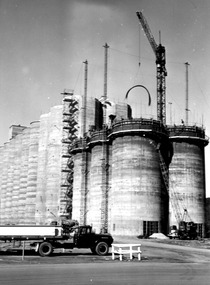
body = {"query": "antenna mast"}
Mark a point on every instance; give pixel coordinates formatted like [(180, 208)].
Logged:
[(105, 78), (85, 98), (187, 107)]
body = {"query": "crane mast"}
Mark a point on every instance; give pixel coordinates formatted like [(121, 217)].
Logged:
[(159, 51)]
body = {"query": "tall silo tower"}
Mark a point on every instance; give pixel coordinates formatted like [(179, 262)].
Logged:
[(187, 175), (138, 202)]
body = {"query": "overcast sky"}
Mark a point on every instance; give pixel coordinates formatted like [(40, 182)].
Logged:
[(43, 44)]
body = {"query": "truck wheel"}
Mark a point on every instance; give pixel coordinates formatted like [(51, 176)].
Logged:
[(102, 248), (45, 249)]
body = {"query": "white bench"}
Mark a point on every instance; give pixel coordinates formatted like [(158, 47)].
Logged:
[(130, 249)]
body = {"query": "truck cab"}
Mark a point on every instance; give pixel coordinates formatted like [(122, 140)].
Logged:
[(85, 237)]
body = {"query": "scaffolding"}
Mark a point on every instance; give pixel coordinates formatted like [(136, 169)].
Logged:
[(70, 132)]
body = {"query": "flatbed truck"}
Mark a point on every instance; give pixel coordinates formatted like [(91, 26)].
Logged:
[(45, 238)]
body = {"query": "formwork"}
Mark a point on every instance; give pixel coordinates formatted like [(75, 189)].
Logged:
[(187, 175)]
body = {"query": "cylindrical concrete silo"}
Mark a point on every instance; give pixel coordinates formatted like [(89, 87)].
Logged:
[(40, 211), (53, 175), (24, 174), (1, 169), (187, 175), (32, 173), (136, 196), (9, 186), (77, 182), (16, 179), (80, 180), (97, 194), (4, 182)]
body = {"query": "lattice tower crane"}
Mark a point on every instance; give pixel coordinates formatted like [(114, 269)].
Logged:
[(159, 51)]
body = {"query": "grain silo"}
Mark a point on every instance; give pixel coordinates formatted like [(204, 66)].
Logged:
[(16, 202), (5, 159), (9, 184), (187, 175), (24, 174), (98, 184), (30, 203), (53, 174), (137, 201), (83, 159), (40, 211), (1, 166)]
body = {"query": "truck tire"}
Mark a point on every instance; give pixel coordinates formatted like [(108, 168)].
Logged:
[(102, 248), (45, 249)]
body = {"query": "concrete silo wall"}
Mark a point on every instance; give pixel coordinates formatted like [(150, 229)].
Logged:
[(124, 179), (16, 201), (95, 188), (77, 182), (136, 185), (30, 202), (1, 164), (136, 197), (31, 172), (40, 211), (24, 174), (5, 156), (53, 173), (187, 175)]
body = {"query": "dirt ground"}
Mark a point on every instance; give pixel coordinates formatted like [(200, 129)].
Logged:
[(153, 250)]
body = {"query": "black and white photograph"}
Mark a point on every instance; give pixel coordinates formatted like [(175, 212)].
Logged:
[(104, 142)]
